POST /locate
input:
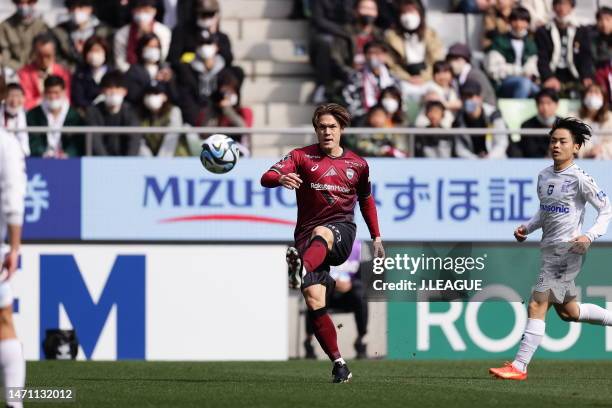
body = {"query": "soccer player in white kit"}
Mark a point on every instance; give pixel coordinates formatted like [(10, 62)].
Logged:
[(12, 194), (563, 191)]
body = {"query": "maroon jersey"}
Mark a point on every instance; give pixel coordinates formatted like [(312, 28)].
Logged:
[(330, 187)]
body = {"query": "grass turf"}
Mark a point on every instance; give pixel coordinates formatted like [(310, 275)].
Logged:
[(376, 384)]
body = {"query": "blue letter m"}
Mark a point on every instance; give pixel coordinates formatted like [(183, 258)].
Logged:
[(61, 283)]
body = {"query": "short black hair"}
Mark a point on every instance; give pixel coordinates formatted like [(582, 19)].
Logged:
[(520, 13), (470, 88), (43, 38), (375, 44), (429, 105), (113, 79), (441, 66), (605, 10), (54, 80), (580, 131), (547, 93), (78, 3), (14, 86), (573, 2)]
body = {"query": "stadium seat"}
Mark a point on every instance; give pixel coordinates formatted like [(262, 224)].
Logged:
[(449, 26), (273, 50), (442, 6), (275, 90), (474, 28), (264, 29), (256, 8), (585, 11)]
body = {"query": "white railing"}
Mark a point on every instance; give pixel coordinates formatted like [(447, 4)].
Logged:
[(91, 131)]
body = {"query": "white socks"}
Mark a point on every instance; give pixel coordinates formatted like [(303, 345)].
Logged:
[(594, 314), (340, 361), (534, 331), (12, 367)]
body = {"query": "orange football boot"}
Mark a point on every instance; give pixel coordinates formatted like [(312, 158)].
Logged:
[(508, 372)]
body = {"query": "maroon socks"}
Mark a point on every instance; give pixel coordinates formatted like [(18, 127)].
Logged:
[(315, 254), (325, 332)]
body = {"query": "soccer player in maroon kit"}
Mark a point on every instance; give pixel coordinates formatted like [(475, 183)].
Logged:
[(328, 180)]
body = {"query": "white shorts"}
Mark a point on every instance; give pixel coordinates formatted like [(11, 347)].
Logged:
[(558, 270)]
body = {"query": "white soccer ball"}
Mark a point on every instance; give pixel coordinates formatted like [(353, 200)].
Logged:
[(219, 154)]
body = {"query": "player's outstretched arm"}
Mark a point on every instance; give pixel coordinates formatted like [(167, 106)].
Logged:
[(272, 179)]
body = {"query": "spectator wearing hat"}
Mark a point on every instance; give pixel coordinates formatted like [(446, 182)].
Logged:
[(197, 80), (547, 102), (71, 35), (365, 86), (157, 110), (476, 113), (143, 22), (203, 23), (148, 71), (512, 60), (18, 32), (113, 111), (415, 47), (55, 112), (565, 62), (33, 75), (459, 57), (86, 79)]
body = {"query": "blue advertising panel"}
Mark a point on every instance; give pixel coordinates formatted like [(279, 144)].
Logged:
[(417, 200), (53, 199)]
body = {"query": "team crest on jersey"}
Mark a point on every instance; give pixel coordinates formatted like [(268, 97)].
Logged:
[(565, 186), (350, 173), (551, 187)]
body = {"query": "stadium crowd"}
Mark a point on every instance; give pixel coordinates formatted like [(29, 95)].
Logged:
[(168, 63)]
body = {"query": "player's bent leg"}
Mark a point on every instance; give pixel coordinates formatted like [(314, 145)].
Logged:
[(294, 267), (569, 312), (532, 337), (321, 242), (590, 313), (12, 363)]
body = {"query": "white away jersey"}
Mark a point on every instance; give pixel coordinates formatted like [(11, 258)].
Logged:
[(563, 196), (12, 183)]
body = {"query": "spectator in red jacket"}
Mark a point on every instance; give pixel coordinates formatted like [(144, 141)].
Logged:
[(43, 65)]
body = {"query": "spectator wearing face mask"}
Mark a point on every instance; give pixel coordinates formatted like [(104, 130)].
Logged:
[(415, 47), (459, 57), (143, 22), (565, 62), (512, 61), (595, 112), (476, 113), (391, 99), (204, 23), (197, 80), (349, 55), (365, 86), (149, 71), (17, 34), (55, 112), (72, 35), (13, 115), (547, 102), (496, 21), (113, 111), (33, 75), (156, 110), (227, 111), (88, 75)]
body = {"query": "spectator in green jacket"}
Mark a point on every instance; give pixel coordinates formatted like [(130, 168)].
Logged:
[(55, 112)]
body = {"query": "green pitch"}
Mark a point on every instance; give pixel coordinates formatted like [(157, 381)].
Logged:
[(376, 384)]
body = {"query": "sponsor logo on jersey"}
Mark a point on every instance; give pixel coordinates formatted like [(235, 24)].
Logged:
[(313, 168), (552, 208), (350, 173), (355, 164), (551, 187), (312, 156), (602, 196), (329, 187), (331, 172)]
